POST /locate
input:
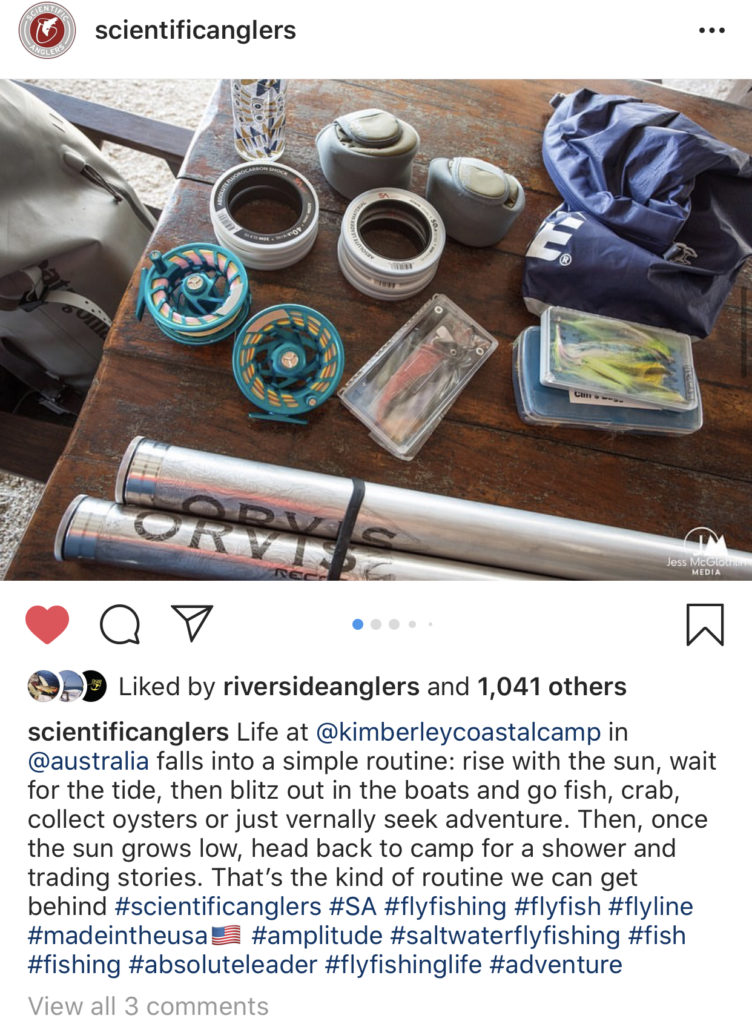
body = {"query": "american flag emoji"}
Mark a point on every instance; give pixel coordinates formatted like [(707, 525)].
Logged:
[(228, 933)]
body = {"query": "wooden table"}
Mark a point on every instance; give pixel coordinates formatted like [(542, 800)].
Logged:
[(149, 385)]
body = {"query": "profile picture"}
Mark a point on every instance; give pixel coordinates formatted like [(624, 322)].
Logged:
[(44, 685), (73, 685), (96, 685)]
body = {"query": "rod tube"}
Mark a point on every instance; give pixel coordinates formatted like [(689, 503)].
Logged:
[(181, 545), (198, 483)]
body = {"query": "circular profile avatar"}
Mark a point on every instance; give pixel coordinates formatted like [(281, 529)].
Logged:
[(44, 685), (73, 685), (96, 684), (47, 30)]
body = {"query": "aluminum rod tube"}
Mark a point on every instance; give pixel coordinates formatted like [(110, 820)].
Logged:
[(182, 545), (201, 484)]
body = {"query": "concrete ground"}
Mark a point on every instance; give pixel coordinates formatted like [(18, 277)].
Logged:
[(182, 103), (18, 499)]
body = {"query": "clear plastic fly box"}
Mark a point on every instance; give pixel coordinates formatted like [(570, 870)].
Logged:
[(403, 391), (617, 358), (553, 407)]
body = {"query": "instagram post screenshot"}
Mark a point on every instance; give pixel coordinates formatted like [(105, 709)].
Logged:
[(459, 309)]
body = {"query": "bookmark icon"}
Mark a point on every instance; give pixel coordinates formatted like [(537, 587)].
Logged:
[(705, 618)]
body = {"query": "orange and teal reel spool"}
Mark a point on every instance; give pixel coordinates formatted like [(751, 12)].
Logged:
[(287, 361)]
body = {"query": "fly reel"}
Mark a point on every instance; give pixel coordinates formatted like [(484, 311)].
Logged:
[(287, 360), (197, 293)]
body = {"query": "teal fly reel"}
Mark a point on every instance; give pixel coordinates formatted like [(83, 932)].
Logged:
[(287, 360), (197, 293)]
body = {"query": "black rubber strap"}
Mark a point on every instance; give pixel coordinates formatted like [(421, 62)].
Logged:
[(346, 529)]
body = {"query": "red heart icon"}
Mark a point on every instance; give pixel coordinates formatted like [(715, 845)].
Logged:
[(47, 623)]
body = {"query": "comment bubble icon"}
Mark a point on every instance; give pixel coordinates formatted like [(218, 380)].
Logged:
[(120, 625)]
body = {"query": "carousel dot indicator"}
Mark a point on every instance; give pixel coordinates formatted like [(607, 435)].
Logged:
[(394, 623), (376, 624), (357, 624)]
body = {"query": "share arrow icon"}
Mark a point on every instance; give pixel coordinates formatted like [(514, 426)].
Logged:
[(194, 616)]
